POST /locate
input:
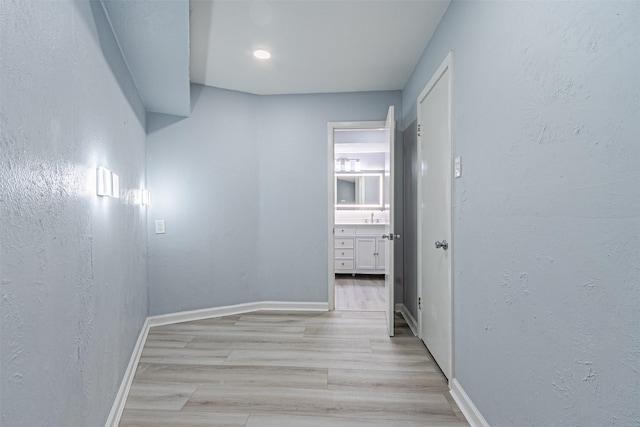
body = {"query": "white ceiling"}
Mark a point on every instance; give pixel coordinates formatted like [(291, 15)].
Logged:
[(317, 46)]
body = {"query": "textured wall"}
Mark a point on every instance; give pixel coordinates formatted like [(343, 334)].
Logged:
[(73, 266), (242, 186), (546, 100), (154, 38)]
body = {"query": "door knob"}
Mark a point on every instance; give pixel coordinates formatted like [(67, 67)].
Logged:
[(444, 245)]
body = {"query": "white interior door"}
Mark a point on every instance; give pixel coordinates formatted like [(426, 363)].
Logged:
[(390, 237), (434, 217)]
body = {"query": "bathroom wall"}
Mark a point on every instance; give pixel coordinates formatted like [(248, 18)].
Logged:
[(72, 265), (242, 186), (546, 215)]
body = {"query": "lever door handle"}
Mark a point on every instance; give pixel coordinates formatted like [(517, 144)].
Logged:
[(391, 236)]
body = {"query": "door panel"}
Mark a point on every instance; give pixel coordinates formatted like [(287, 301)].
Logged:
[(434, 217), (390, 127)]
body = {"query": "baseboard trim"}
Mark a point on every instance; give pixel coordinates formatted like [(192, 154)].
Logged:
[(470, 411), (229, 310), (123, 392), (413, 325)]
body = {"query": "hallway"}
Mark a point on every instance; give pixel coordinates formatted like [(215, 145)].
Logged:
[(288, 369)]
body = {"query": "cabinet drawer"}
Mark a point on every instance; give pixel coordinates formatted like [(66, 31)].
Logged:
[(345, 230), (344, 264), (344, 253), (344, 242)]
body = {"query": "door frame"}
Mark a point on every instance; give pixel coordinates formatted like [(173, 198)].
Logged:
[(331, 126), (446, 65)]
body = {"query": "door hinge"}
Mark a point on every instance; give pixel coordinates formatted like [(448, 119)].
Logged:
[(419, 130), (419, 303)]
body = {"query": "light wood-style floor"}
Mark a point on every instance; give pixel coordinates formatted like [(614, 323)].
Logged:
[(288, 369), (361, 293)]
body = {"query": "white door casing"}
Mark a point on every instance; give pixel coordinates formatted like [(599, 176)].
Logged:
[(435, 287), (331, 127)]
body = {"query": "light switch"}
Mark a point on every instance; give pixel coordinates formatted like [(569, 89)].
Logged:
[(457, 167), (160, 226)]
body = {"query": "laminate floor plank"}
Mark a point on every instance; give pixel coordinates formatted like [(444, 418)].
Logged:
[(184, 356), (318, 319), (271, 420), (159, 396), (250, 376), (366, 404), (163, 418), (234, 330), (343, 360), (288, 369), (292, 344), (358, 379), (377, 329), (398, 345)]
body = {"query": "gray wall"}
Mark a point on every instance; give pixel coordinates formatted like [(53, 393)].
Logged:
[(242, 186), (72, 265), (547, 212)]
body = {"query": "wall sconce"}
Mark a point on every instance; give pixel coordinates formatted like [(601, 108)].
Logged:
[(107, 183), (145, 197), (348, 165)]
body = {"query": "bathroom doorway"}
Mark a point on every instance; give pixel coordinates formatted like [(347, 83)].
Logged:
[(360, 215)]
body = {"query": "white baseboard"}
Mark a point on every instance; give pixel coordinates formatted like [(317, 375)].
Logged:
[(229, 310), (121, 397), (470, 411), (413, 325), (186, 316)]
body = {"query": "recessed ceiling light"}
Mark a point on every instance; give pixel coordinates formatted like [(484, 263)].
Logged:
[(262, 54)]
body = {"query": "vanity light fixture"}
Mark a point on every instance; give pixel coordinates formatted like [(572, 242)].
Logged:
[(107, 183), (262, 54)]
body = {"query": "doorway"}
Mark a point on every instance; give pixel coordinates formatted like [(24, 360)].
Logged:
[(360, 212), (435, 287)]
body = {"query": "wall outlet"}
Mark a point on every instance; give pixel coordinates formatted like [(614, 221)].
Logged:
[(160, 226), (457, 167)]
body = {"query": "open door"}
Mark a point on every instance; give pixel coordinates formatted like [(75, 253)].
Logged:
[(382, 246), (389, 236)]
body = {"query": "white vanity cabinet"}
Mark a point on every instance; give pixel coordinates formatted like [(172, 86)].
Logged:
[(359, 249)]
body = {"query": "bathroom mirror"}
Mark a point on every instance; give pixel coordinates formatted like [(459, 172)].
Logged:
[(358, 190)]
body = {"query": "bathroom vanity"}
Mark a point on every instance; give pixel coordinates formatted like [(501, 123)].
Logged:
[(359, 249)]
